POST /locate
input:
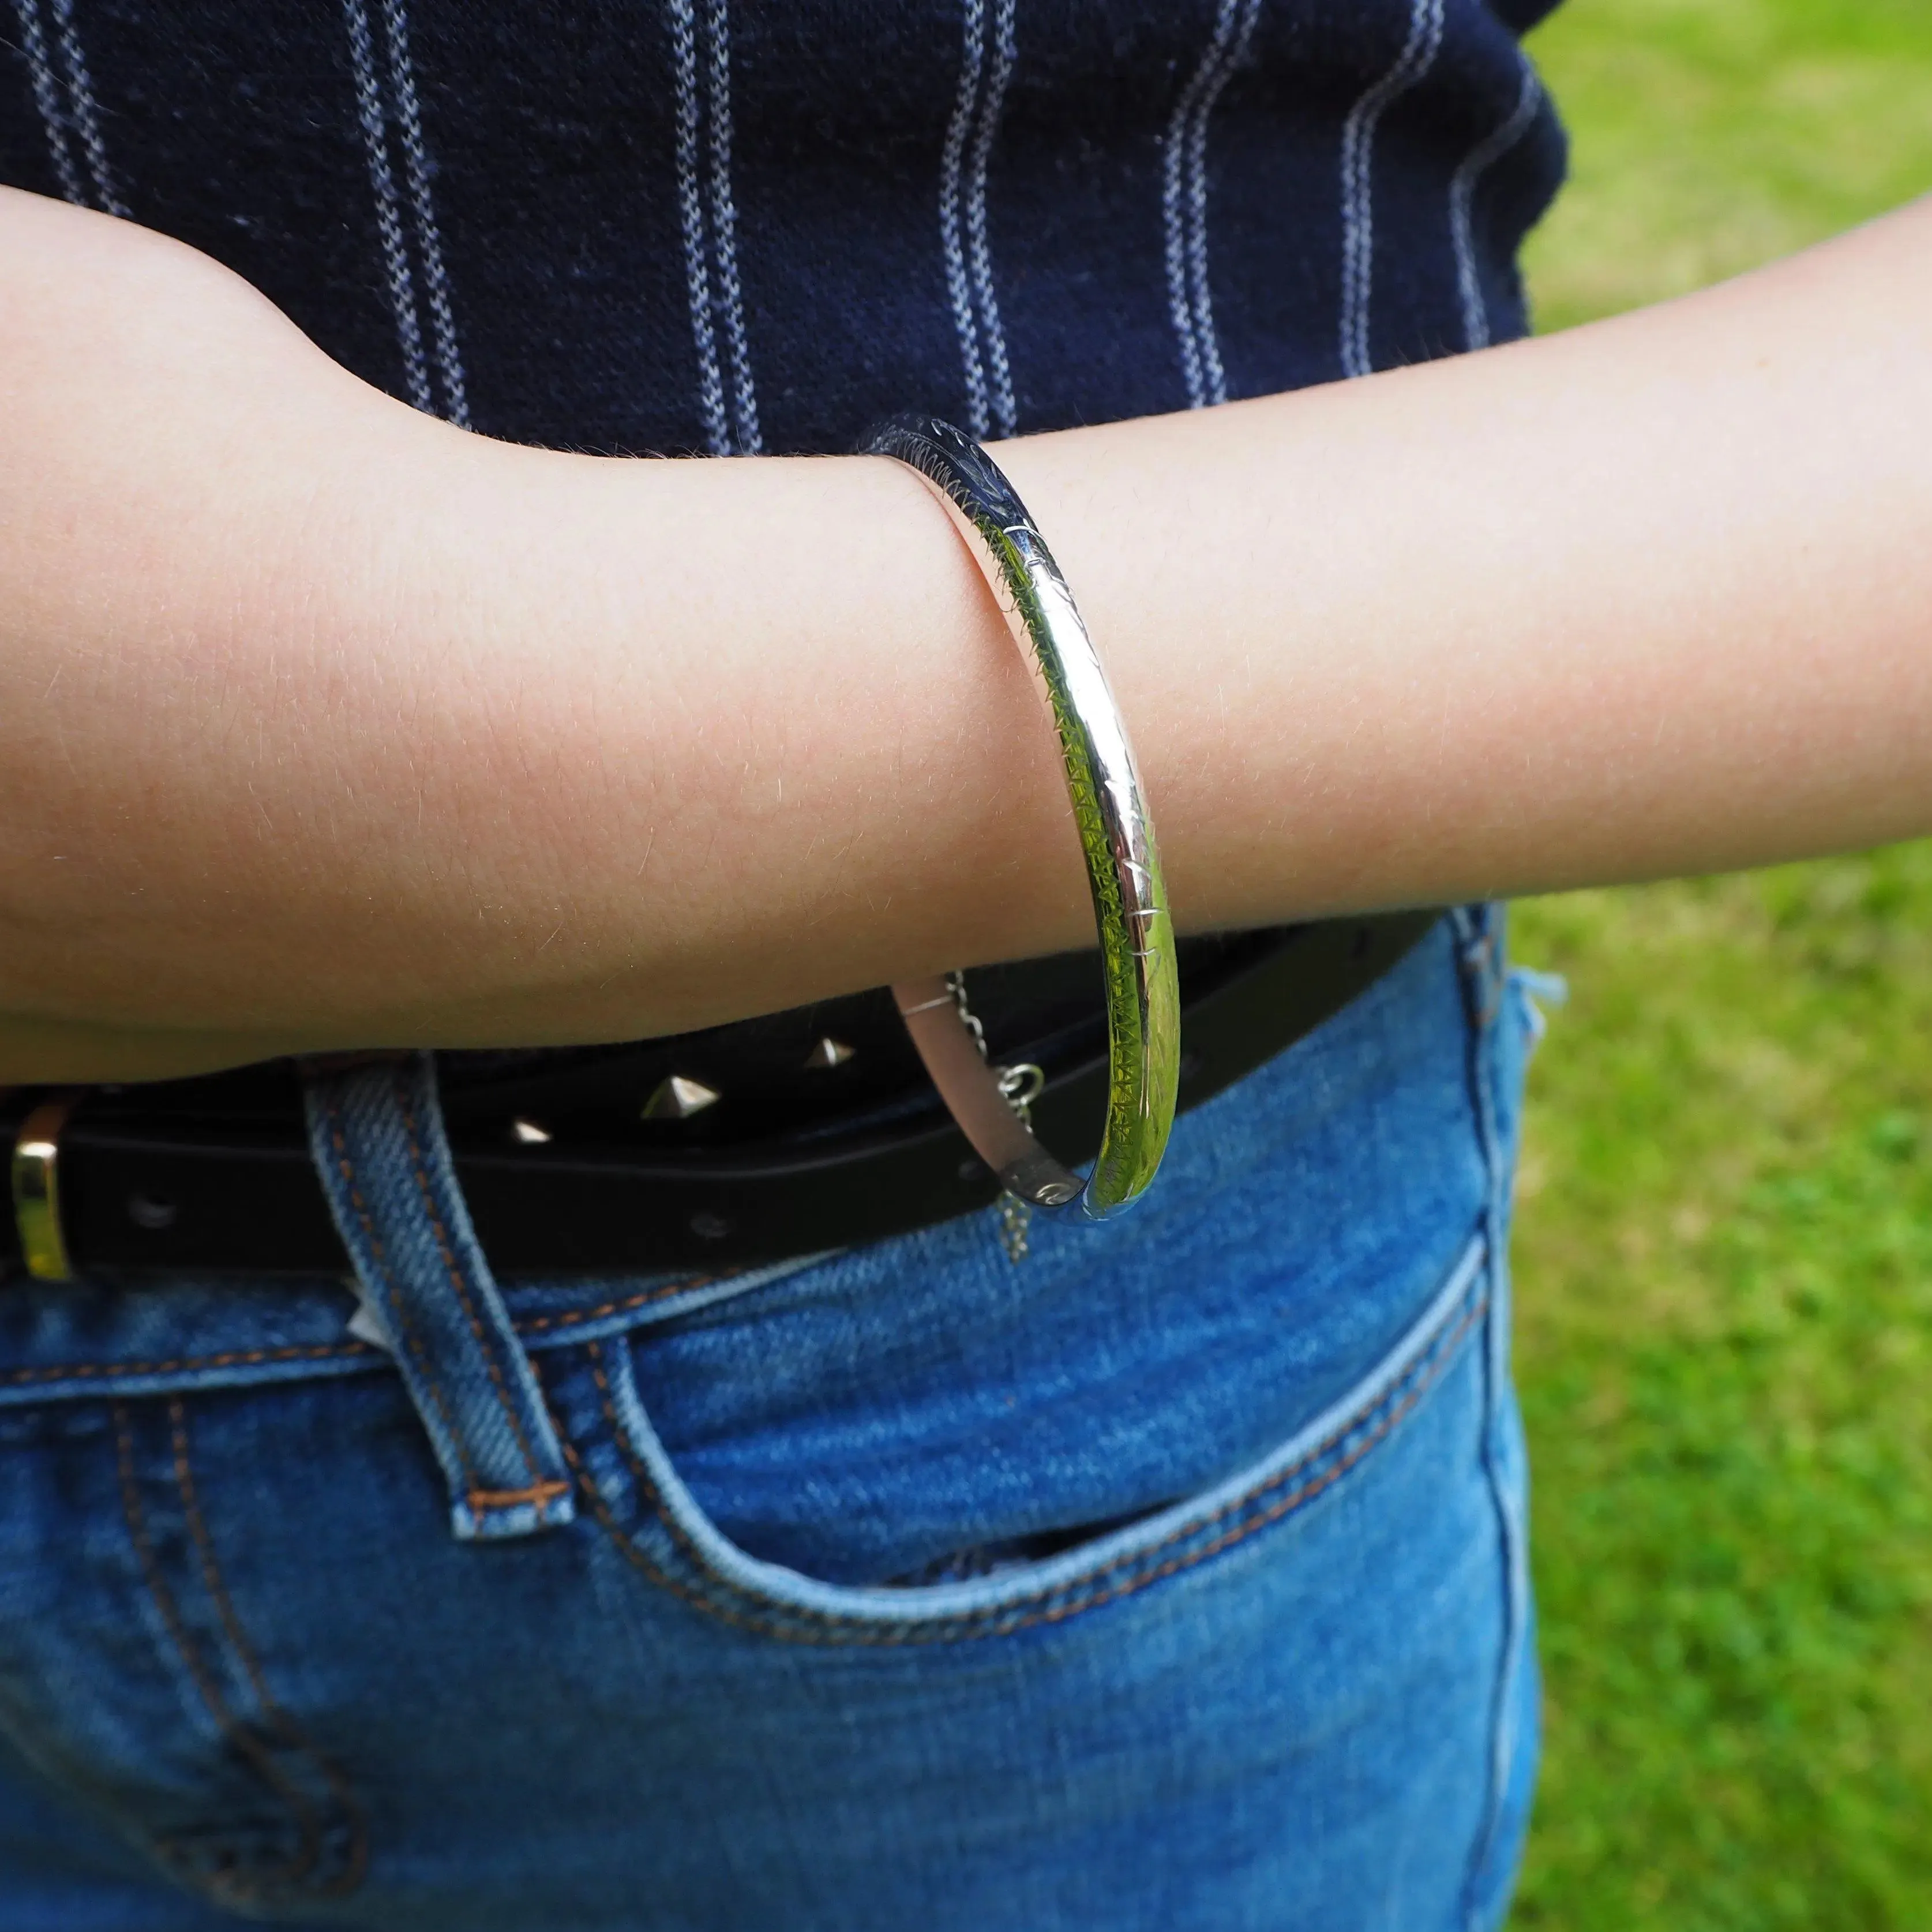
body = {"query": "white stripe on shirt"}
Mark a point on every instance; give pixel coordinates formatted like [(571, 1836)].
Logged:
[(46, 86), (1358, 141), (1462, 195), (389, 207), (429, 237)]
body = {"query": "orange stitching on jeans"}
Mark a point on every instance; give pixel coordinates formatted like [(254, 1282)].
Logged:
[(642, 1476), (570, 1317), (1442, 1345), (1284, 1505), (636, 1557), (233, 1358), (416, 1347), (1092, 1593), (322, 1351), (458, 1282), (601, 1510), (629, 1551), (545, 1491), (291, 1733), (1001, 1621), (238, 1735)]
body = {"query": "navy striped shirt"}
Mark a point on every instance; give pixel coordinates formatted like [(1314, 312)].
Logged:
[(744, 225)]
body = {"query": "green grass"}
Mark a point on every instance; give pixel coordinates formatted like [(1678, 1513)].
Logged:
[(1725, 1258), (1711, 135)]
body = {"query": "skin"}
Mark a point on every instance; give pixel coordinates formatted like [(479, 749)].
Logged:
[(324, 724)]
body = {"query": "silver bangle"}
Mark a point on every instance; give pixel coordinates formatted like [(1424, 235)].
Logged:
[(1136, 934)]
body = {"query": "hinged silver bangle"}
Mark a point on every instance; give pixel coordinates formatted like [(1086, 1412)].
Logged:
[(1130, 911)]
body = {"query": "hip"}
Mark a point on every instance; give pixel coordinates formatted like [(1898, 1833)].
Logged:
[(1173, 1574)]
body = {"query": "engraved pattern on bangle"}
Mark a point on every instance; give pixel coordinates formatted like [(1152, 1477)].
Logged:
[(1117, 840)]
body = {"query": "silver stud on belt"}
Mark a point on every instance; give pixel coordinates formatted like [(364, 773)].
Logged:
[(678, 1098)]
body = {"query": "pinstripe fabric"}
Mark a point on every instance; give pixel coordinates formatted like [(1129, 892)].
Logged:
[(691, 208), (47, 91), (429, 239), (376, 114), (1184, 202), (389, 215), (1003, 54), (709, 212), (1358, 146), (694, 226), (959, 128), (1462, 196), (75, 122), (988, 53), (86, 114), (724, 226)]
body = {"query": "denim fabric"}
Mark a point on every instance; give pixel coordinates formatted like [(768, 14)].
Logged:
[(375, 1133), (1170, 1577)]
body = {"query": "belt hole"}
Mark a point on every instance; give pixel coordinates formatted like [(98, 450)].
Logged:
[(153, 1212)]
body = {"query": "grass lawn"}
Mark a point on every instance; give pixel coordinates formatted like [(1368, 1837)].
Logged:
[(1725, 1258)]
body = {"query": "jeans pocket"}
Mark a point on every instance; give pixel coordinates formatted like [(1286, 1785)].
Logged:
[(635, 1491)]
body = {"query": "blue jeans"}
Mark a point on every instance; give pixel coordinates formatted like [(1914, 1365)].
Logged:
[(1171, 1577)]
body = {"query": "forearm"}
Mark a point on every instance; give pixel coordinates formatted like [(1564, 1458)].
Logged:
[(401, 735), (1648, 597)]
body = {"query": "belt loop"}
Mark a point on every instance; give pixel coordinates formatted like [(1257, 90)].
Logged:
[(375, 1131)]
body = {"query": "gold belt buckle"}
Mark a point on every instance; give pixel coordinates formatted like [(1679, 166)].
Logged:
[(37, 1215)]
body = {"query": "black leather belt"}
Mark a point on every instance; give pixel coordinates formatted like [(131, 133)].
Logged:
[(803, 1132)]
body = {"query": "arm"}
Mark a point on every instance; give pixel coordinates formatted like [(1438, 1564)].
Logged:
[(322, 723)]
